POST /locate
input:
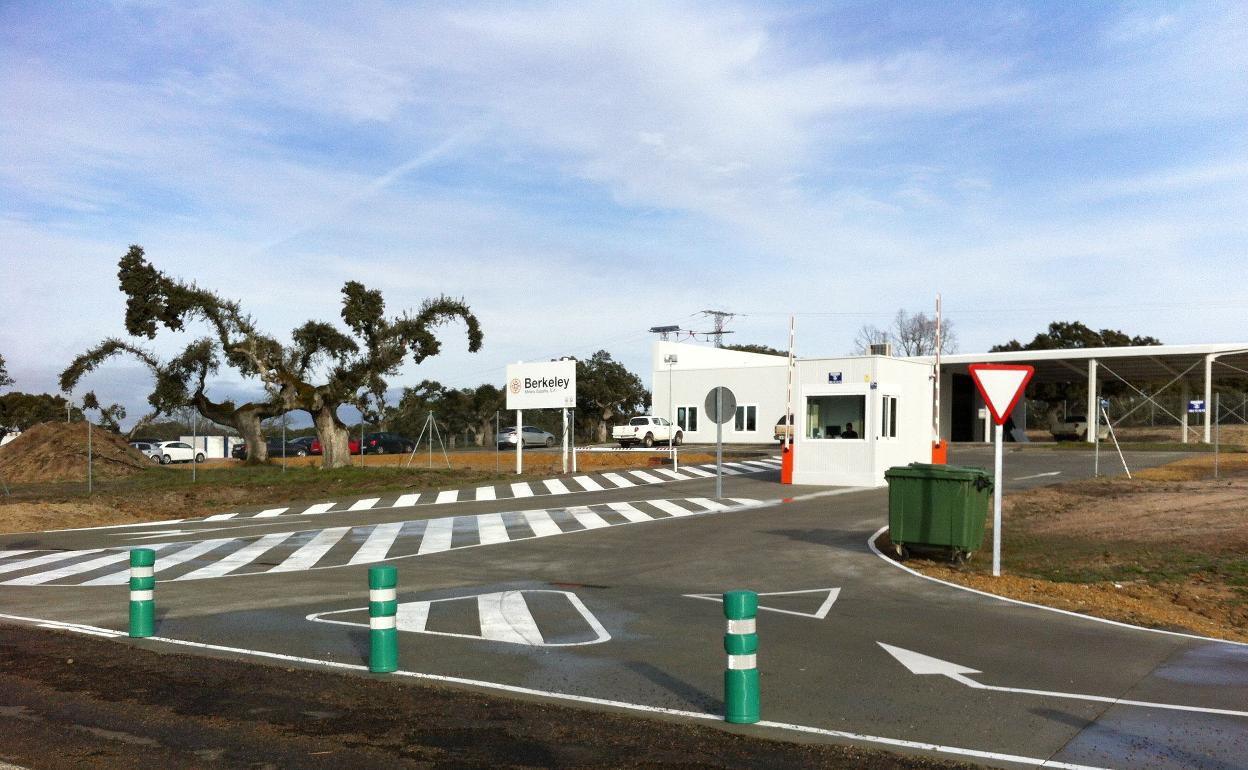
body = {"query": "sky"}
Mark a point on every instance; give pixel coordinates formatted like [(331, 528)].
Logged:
[(580, 172)]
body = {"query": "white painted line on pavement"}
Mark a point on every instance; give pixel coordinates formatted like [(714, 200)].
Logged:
[(587, 518), (406, 501), (76, 569), (541, 524), (667, 506), (604, 702), (555, 486), (486, 493), (871, 543), (47, 558), (521, 489), (239, 558), (365, 504), (447, 496), (491, 528), (164, 562), (270, 513), (437, 537), (588, 484), (629, 512), (671, 474), (316, 509), (311, 552), (618, 480), (378, 543), (505, 617), (696, 471), (646, 477), (1037, 476), (221, 517)]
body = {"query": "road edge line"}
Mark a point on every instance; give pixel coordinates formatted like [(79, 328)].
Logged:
[(875, 535)]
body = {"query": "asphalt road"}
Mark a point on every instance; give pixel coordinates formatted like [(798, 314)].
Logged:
[(593, 594)]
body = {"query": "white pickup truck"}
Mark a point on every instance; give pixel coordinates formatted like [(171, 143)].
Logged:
[(646, 431)]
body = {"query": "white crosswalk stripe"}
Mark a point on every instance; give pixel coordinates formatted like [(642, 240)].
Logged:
[(437, 536), (491, 528), (406, 501), (7, 554), (646, 477), (447, 496), (378, 543), (555, 486), (240, 558), (75, 569), (628, 511), (673, 475), (588, 484), (365, 504), (708, 504), (312, 510), (521, 489), (618, 480), (221, 517), (696, 471), (48, 558), (312, 551), (541, 524), (667, 506), (270, 513), (192, 551), (587, 518), (761, 465), (486, 493)]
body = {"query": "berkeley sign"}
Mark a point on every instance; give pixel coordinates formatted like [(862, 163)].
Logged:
[(546, 385)]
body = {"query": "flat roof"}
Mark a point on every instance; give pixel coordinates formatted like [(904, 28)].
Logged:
[(1135, 363)]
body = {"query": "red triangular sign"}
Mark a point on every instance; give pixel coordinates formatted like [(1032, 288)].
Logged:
[(1001, 385)]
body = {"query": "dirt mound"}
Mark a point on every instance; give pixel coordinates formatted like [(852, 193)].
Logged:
[(57, 451)]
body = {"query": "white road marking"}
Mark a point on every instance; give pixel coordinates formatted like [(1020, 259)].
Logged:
[(618, 480), (646, 477), (378, 543), (587, 518), (412, 616), (447, 496), (1038, 476), (587, 699), (164, 562), (313, 510), (629, 512), (47, 558), (505, 617), (75, 569), (365, 504), (541, 524), (923, 665), (521, 489), (588, 484), (437, 536), (270, 513), (831, 595), (760, 464), (672, 474), (239, 558), (311, 552), (491, 528), (6, 554), (727, 471), (696, 471), (221, 517), (667, 506), (707, 503), (486, 493), (406, 501), (555, 486)]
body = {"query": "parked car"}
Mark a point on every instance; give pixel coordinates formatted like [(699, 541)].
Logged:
[(149, 449), (782, 430), (1074, 428), (305, 442), (315, 448), (647, 431), (177, 452), (381, 443), (275, 448), (533, 436)]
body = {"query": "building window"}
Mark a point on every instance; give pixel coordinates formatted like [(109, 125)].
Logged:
[(687, 418), (747, 418), (835, 417), (888, 417)]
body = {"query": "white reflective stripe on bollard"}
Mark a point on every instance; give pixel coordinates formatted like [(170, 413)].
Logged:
[(142, 572), (141, 596), (382, 622), (742, 662), (382, 594), (747, 626)]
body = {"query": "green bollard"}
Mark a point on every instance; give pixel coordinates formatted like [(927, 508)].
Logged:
[(741, 644), (383, 607), (142, 592)]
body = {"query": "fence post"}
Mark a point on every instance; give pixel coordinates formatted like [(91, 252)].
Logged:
[(383, 607), (741, 644), (142, 592)]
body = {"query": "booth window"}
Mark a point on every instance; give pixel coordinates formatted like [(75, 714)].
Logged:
[(835, 417), (888, 417), (747, 418), (687, 417)]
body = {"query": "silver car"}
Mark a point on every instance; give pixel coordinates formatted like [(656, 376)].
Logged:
[(506, 438)]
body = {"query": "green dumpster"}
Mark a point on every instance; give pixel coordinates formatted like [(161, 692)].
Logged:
[(942, 506)]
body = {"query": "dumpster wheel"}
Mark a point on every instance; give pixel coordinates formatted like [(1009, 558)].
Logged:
[(902, 551), (960, 556)]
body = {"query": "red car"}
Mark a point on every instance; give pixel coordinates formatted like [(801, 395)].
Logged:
[(354, 444)]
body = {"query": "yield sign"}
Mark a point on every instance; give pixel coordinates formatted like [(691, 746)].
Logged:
[(1001, 385)]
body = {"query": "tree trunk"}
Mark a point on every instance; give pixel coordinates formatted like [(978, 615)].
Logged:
[(334, 438), (602, 431), (485, 428), (247, 423)]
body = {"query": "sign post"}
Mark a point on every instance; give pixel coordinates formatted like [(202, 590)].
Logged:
[(721, 406), (1001, 386)]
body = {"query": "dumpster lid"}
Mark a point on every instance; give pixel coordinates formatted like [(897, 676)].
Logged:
[(930, 471)]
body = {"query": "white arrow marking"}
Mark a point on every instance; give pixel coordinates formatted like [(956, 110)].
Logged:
[(818, 614), (920, 664), (1038, 475)]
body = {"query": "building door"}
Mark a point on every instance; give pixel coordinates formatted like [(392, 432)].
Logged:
[(962, 413)]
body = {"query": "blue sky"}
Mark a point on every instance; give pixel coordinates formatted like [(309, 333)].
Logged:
[(581, 172)]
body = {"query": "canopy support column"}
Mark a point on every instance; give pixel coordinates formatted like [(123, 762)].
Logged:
[(1094, 404)]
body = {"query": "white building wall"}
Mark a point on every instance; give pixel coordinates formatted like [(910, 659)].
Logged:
[(756, 380)]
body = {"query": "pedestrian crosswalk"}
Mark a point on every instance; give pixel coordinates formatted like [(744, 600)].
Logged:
[(282, 552), (583, 483)]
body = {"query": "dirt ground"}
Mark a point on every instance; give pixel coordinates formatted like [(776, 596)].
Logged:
[(57, 451), (167, 492), (72, 701), (1168, 549), (1231, 435)]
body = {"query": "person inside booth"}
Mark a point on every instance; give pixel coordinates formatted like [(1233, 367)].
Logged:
[(849, 431)]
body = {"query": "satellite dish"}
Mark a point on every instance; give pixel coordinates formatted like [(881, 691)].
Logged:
[(722, 396)]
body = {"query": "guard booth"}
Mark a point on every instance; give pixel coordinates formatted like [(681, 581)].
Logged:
[(857, 417)]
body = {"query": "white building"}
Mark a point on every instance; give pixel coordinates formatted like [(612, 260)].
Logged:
[(855, 417)]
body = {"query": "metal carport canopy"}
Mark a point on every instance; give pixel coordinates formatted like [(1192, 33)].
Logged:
[(1136, 363)]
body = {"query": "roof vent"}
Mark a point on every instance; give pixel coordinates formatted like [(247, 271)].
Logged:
[(881, 349)]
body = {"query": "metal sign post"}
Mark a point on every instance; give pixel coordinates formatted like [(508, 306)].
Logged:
[(721, 406), (1001, 386)]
